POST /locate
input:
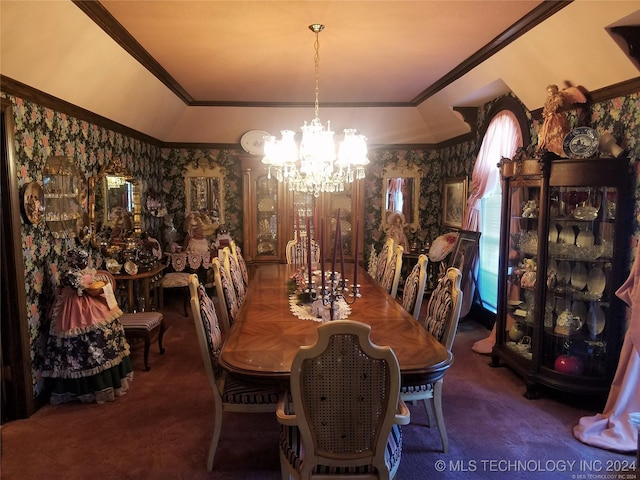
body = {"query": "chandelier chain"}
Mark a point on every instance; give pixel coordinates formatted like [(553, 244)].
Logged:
[(318, 164), (317, 71)]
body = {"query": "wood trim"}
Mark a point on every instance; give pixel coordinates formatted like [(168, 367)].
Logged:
[(515, 31), (19, 401), (101, 16), (18, 89)]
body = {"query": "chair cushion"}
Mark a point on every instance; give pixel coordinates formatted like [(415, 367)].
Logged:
[(142, 320), (210, 323), (439, 309), (291, 445), (173, 279), (229, 293), (236, 391)]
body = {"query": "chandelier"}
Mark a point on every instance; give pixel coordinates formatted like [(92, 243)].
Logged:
[(317, 165)]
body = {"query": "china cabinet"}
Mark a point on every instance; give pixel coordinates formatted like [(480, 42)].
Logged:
[(273, 214), (564, 253)]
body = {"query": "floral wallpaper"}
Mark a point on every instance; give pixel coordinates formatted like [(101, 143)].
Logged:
[(41, 132)]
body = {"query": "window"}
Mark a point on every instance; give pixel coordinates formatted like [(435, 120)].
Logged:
[(502, 137)]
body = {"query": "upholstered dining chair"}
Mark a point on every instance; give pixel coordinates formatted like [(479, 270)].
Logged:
[(296, 252), (237, 253), (384, 257), (229, 393), (232, 267), (391, 277), (441, 320), (227, 299), (414, 285), (344, 416), (140, 325)]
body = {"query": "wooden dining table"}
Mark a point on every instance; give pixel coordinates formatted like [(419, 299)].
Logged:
[(266, 335)]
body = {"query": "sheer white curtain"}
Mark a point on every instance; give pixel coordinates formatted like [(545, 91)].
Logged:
[(502, 139)]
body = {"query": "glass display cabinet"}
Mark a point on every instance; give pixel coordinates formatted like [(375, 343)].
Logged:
[(263, 213), (564, 253), (65, 198), (273, 213)]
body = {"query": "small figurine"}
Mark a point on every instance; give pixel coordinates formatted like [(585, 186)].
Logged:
[(530, 209)]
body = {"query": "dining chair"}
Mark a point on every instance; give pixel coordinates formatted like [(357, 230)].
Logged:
[(296, 252), (391, 277), (139, 325), (233, 270), (237, 253), (384, 257), (230, 394), (441, 320), (226, 294), (414, 285), (343, 414)]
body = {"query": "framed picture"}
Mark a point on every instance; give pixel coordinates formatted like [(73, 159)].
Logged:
[(465, 251), (454, 201)]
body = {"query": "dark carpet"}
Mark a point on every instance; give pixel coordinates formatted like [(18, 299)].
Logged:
[(162, 428)]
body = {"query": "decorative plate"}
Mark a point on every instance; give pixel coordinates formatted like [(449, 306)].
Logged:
[(33, 203), (131, 268), (265, 248), (253, 142), (596, 281), (266, 205), (581, 142), (595, 319), (579, 276), (113, 266)]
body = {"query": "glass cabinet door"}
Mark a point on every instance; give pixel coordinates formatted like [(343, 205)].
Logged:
[(579, 269), (521, 307), (267, 216)]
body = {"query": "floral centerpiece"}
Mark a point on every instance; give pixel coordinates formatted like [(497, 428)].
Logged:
[(298, 285)]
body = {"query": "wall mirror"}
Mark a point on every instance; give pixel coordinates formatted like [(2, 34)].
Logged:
[(204, 189), (401, 194), (114, 205), (65, 198)]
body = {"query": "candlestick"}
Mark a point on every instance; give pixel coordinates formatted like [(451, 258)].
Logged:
[(335, 246), (322, 253), (342, 269), (309, 254), (355, 259)]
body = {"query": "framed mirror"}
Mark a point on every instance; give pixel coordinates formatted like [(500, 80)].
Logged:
[(65, 198), (204, 190), (114, 205), (401, 194)]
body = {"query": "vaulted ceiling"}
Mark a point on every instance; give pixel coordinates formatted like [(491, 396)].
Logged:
[(207, 71)]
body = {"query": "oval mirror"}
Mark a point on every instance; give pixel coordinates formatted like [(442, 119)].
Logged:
[(114, 205), (65, 198), (401, 194)]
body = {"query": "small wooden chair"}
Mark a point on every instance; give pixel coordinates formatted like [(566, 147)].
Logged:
[(141, 325), (145, 326)]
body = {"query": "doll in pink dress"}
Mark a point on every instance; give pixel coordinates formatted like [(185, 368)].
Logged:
[(612, 429)]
